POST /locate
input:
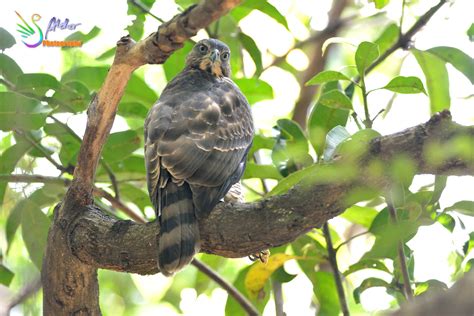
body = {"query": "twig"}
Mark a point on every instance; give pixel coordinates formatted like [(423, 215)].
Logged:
[(401, 254), (278, 296), (402, 16), (345, 242), (231, 290), (404, 39), (98, 192), (335, 270), (25, 292), (43, 151), (142, 7)]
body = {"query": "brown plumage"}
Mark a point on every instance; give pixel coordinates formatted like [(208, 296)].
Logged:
[(197, 137)]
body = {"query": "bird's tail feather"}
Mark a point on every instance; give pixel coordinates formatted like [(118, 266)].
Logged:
[(179, 230)]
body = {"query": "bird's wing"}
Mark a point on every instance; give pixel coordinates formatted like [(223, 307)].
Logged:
[(200, 137), (25, 29)]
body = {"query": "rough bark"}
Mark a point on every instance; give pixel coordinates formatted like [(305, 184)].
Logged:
[(70, 286), (237, 230)]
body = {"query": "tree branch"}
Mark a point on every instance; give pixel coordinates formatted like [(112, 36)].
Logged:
[(238, 230), (335, 270)]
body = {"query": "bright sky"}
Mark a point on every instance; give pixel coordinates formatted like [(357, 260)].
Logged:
[(432, 245)]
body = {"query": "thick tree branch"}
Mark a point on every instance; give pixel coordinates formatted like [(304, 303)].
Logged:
[(237, 230)]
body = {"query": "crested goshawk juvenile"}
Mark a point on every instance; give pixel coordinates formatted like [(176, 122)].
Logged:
[(197, 136)]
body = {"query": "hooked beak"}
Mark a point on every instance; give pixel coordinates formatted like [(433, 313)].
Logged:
[(214, 55)]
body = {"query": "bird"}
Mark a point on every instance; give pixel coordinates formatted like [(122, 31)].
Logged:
[(197, 138)]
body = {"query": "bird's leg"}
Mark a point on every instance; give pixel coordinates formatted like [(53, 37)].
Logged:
[(261, 255), (235, 195)]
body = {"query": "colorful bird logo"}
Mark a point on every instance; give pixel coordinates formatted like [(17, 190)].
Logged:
[(27, 31)]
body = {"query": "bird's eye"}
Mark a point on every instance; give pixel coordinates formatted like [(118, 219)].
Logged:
[(203, 49), (225, 55)]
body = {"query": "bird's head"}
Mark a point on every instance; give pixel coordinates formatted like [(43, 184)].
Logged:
[(210, 55)]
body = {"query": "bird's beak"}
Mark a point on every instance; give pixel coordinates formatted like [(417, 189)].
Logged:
[(214, 55)]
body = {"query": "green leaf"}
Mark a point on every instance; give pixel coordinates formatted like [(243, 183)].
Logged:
[(251, 47), (463, 207), (108, 54), (335, 99), (121, 145), (282, 276), (380, 4), (133, 110), (335, 136), (290, 152), (6, 39), (365, 55), (469, 265), (326, 76), (9, 69), (255, 89), (447, 221), (366, 264), (9, 159), (261, 142), (235, 309), (265, 7), (136, 28), (368, 283), (460, 60), (288, 182), (6, 276), (326, 293), (72, 97), (37, 83), (135, 195), (405, 85), (70, 144), (132, 167), (432, 285), (93, 78), (35, 226), (175, 63), (321, 120), (388, 37), (19, 112), (440, 184), (253, 170), (470, 32), (84, 38), (437, 80), (361, 215), (47, 195), (389, 235)]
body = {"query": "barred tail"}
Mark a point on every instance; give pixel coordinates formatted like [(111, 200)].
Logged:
[(179, 230)]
